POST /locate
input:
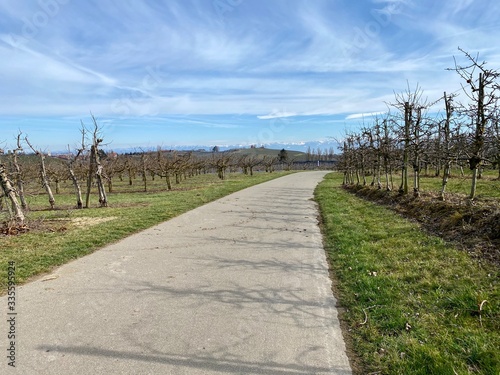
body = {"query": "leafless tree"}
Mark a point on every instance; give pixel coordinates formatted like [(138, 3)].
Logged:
[(269, 162), (144, 170), (163, 167), (95, 167), (494, 143), (481, 88), (71, 170), (248, 162), (112, 166), (446, 153), (18, 172), (43, 173), (9, 192), (221, 162), (411, 104)]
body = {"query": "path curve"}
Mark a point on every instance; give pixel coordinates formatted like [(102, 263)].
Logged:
[(238, 286)]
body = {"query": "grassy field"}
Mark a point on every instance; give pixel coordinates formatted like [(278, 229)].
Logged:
[(488, 186), (413, 304), (60, 235)]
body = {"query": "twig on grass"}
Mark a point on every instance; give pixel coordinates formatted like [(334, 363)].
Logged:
[(366, 315), (481, 309)]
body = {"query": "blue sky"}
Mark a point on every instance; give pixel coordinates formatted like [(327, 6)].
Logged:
[(225, 72)]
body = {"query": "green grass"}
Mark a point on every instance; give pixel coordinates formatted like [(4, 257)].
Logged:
[(421, 296), (40, 250), (488, 186)]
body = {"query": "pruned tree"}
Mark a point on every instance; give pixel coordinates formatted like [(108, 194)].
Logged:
[(481, 88), (163, 167), (411, 104), (131, 167), (71, 170), (8, 191), (494, 142), (18, 172), (290, 162), (43, 173), (112, 166), (57, 172), (348, 160), (144, 170), (387, 152), (221, 162), (95, 167), (269, 162), (180, 165), (248, 162), (445, 130)]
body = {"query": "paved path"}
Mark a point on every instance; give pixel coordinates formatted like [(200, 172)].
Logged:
[(238, 286)]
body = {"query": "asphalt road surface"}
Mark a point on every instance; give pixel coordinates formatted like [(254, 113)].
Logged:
[(238, 286)]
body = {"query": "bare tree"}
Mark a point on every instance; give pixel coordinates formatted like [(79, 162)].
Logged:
[(95, 166), (112, 166), (43, 173), (221, 161), (131, 167), (163, 167), (494, 137), (482, 93), (71, 162), (248, 163), (9, 191), (18, 173), (290, 162), (144, 170), (386, 150), (269, 162), (57, 172), (412, 106), (446, 151)]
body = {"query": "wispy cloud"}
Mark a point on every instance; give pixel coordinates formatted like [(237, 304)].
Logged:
[(141, 62), (355, 116), (277, 114)]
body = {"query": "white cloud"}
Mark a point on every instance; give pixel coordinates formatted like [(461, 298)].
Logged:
[(277, 114), (363, 115)]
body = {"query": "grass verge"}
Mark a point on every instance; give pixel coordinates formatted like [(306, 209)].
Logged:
[(413, 304), (65, 234)]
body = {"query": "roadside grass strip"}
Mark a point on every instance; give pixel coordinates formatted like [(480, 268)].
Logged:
[(412, 304)]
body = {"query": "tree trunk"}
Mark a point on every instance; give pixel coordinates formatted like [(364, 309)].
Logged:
[(45, 181), (78, 190), (404, 182), (10, 193), (476, 159), (103, 200), (89, 179), (446, 136), (144, 172), (169, 183), (19, 182)]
